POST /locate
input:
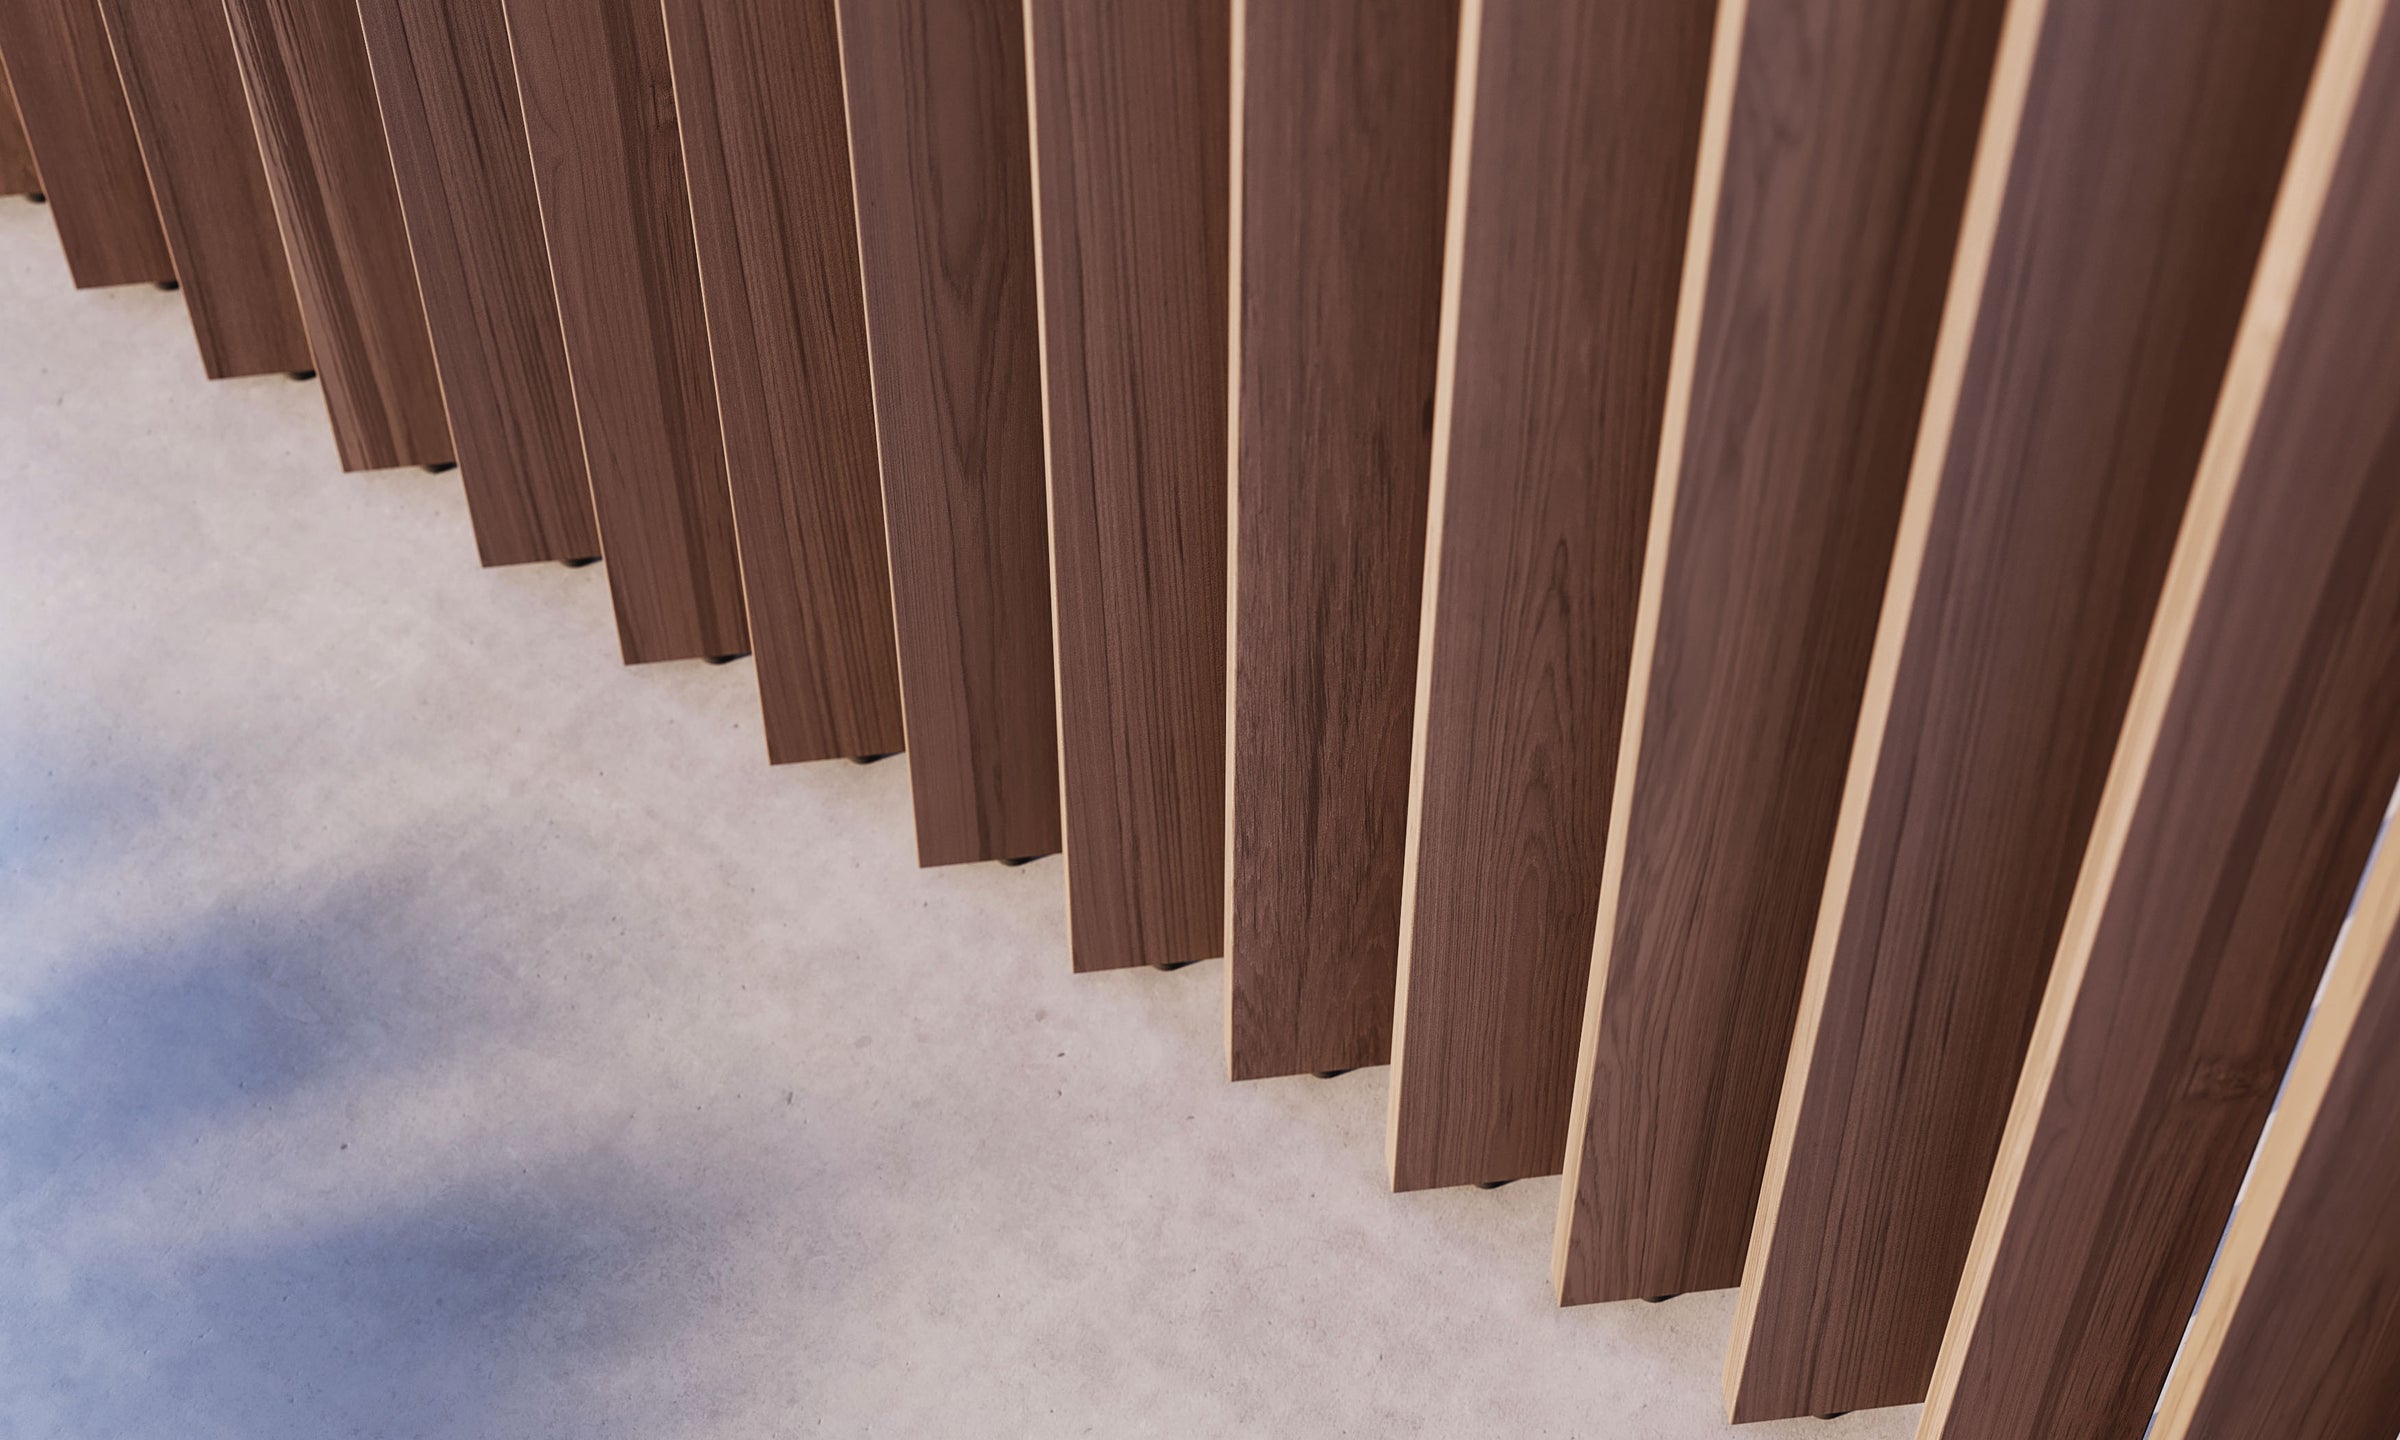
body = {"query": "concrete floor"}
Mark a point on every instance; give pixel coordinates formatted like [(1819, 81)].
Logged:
[(415, 1024)]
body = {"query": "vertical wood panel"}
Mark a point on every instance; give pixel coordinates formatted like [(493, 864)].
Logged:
[(1577, 131), (758, 95), (1341, 150), (1841, 135), (457, 135), (312, 101), (1130, 152), (184, 91), (938, 147), (2127, 165), (608, 167), (2260, 749), (17, 173), (2297, 1336), (74, 114)]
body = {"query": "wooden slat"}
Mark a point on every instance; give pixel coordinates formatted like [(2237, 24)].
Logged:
[(73, 110), (607, 162), (1340, 159), (17, 173), (758, 95), (2297, 1336), (936, 94), (2125, 172), (1129, 168), (457, 136), (312, 101), (1839, 140), (184, 91), (1577, 131), (2259, 752)]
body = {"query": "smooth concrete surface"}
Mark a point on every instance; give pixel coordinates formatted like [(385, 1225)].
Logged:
[(415, 1024)]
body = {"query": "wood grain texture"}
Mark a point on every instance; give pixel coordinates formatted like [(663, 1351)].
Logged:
[(1129, 166), (74, 114), (1839, 166), (1577, 132), (758, 96), (18, 176), (450, 112), (183, 89), (2259, 753), (1342, 148), (312, 102), (2123, 181), (938, 149), (2297, 1336), (608, 166)]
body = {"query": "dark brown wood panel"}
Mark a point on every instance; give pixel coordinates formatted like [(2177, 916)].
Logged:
[(2123, 182), (1129, 144), (1578, 130), (2297, 1336), (1841, 135), (758, 94), (18, 176), (457, 135), (74, 115), (936, 92), (608, 165), (312, 102), (2258, 758), (184, 90), (1341, 159)]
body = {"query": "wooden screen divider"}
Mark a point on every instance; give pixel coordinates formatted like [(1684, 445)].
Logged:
[(18, 175), (2259, 753), (608, 167), (935, 92), (1570, 184), (1894, 507), (457, 136), (1341, 113), (75, 119), (1820, 253), (183, 89), (2101, 269), (1129, 138), (758, 97), (312, 102)]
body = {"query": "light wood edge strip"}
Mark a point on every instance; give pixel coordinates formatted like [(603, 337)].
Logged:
[(1716, 125), (1445, 374), (1987, 191), (2325, 120), (1238, 118), (2357, 959), (1041, 331)]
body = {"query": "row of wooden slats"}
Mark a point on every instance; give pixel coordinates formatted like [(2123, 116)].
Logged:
[(1788, 607)]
